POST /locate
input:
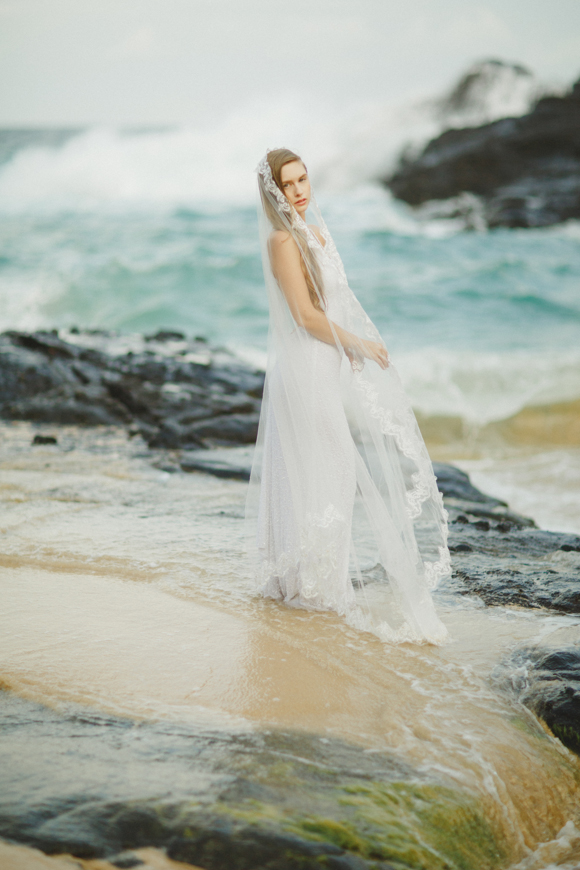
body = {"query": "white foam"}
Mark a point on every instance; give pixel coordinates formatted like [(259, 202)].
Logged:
[(479, 388), (105, 168), (372, 140), (25, 299), (108, 168), (544, 486), (253, 356), (486, 387), (373, 208), (490, 90)]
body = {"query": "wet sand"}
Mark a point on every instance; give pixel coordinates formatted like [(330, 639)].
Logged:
[(13, 857), (124, 590)]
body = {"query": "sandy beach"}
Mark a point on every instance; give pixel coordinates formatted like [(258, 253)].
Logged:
[(124, 593)]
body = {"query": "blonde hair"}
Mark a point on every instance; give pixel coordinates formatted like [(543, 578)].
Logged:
[(310, 267)]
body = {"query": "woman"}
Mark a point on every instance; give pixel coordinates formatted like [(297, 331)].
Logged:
[(343, 508)]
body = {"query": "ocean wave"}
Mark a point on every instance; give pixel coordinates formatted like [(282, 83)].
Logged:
[(543, 484), (482, 388), (105, 168), (455, 392), (108, 170)]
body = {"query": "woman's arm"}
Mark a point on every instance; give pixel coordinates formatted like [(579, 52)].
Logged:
[(287, 267)]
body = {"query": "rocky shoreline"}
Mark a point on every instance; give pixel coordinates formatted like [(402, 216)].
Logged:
[(202, 404), (273, 799), (524, 171), (173, 391)]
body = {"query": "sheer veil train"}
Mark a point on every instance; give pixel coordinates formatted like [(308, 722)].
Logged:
[(343, 511)]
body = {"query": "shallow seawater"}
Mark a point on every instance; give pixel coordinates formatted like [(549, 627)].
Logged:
[(543, 484), (125, 591)]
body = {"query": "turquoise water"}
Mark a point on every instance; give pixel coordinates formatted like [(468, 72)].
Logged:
[(201, 272), (105, 231)]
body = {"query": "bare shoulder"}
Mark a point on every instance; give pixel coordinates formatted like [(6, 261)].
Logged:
[(316, 230), (278, 237), (282, 243)]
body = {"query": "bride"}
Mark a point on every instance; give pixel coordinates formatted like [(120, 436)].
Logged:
[(343, 510)]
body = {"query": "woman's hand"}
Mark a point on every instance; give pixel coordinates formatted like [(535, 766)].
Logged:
[(376, 351), (373, 350)]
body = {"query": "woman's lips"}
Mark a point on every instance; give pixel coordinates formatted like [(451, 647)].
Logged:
[(301, 201)]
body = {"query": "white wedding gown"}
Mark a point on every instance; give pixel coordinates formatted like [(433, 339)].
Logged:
[(319, 579), (308, 489), (343, 512)]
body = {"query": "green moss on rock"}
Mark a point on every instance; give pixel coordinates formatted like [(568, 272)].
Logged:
[(419, 826)]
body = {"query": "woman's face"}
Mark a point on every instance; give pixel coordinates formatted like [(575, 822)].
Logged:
[(296, 185)]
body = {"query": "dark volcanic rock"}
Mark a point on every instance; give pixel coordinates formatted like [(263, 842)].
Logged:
[(455, 484), (126, 860), (523, 567), (505, 560), (501, 556), (527, 169), (238, 428), (44, 439), (548, 683), (232, 462), (225, 801), (554, 694), (226, 848), (176, 393)]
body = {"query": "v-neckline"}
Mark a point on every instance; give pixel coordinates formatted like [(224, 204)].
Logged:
[(321, 246)]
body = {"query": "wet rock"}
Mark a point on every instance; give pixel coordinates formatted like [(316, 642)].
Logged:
[(95, 829), (254, 800), (554, 695), (548, 683), (501, 556), (166, 335), (228, 848), (170, 435), (506, 560), (507, 564), (44, 439), (468, 506), (231, 462), (455, 484), (177, 393), (79, 832), (67, 405), (237, 428), (526, 170), (126, 860)]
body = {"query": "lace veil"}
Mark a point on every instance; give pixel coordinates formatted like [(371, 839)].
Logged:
[(352, 473)]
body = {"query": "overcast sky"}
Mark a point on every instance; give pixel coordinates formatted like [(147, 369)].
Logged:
[(185, 61)]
